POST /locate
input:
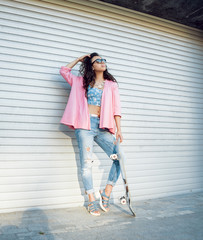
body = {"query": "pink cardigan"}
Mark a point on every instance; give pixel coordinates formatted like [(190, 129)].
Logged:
[(76, 114)]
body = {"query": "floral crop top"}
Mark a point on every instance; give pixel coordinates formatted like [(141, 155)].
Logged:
[(94, 96)]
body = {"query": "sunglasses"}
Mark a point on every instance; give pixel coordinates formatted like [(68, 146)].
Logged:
[(99, 60)]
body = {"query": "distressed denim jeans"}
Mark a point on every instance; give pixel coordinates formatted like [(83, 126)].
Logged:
[(105, 140)]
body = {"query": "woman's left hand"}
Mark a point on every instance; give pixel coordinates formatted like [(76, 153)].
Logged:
[(119, 135)]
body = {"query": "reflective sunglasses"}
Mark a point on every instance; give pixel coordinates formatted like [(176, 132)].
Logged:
[(99, 60)]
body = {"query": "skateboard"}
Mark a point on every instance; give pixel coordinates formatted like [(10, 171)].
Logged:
[(125, 199)]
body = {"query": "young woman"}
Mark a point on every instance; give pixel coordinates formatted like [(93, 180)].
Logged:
[(92, 110)]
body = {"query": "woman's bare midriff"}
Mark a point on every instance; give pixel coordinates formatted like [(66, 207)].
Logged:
[(93, 109)]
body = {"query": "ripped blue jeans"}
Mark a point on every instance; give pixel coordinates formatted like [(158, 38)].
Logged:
[(105, 140)]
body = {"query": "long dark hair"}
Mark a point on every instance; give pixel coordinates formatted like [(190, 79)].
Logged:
[(88, 73)]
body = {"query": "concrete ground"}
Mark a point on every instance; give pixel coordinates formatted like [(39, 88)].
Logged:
[(170, 218)]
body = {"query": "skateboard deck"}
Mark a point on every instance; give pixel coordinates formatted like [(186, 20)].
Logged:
[(124, 177)]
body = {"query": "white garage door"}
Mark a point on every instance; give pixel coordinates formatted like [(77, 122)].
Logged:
[(158, 65)]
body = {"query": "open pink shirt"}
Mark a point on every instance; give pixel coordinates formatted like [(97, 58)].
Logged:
[(76, 114)]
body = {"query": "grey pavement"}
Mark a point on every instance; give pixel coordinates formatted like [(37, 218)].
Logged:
[(177, 217)]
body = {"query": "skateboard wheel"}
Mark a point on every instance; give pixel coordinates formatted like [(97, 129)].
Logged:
[(122, 200)]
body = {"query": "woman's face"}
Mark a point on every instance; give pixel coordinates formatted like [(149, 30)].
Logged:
[(98, 67)]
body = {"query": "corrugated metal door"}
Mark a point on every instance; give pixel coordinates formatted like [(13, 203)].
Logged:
[(158, 65)]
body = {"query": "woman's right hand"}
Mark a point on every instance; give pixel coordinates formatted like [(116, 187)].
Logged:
[(81, 59)]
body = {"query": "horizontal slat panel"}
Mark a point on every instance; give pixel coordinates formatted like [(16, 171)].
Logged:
[(190, 123), (166, 84), (168, 111), (83, 9), (22, 53), (59, 35), (61, 182), (184, 135), (40, 140), (55, 91), (139, 151), (20, 163), (154, 70), (143, 103), (156, 97), (64, 192), (130, 121), (130, 157), (72, 173)]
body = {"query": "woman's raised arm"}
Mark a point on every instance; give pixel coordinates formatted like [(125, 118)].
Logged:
[(80, 59)]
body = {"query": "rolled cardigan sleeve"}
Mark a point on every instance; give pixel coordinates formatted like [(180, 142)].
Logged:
[(116, 100), (67, 75)]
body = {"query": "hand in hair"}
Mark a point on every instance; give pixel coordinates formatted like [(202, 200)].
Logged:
[(80, 59)]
